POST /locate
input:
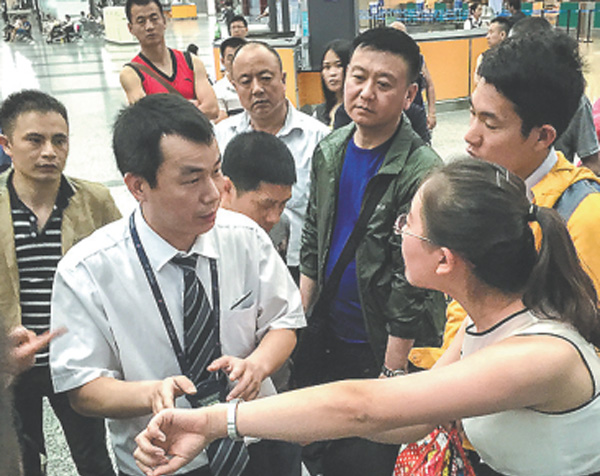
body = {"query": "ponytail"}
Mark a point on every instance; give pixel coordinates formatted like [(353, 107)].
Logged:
[(480, 210), (558, 287)]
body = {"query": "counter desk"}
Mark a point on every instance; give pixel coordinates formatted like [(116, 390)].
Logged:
[(451, 57)]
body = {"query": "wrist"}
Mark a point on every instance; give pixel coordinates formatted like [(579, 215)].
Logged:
[(387, 372), (216, 424)]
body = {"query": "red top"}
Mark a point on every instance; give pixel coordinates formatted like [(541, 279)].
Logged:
[(182, 78)]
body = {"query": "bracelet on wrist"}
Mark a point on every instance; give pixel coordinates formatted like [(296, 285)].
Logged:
[(232, 430), (387, 372)]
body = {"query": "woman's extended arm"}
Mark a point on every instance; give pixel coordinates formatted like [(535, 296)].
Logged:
[(501, 377)]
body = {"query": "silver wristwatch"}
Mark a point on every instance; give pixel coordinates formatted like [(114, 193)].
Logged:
[(391, 373), (232, 430)]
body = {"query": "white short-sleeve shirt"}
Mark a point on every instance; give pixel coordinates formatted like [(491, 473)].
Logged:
[(227, 96), (301, 133), (102, 296)]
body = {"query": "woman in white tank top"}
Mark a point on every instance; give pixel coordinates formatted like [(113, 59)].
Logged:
[(522, 374)]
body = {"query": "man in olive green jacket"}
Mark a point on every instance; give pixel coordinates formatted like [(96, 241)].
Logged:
[(376, 315)]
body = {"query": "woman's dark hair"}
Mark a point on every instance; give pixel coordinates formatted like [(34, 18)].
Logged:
[(342, 49), (481, 211)]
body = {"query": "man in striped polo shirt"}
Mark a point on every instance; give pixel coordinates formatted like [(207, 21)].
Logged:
[(42, 214)]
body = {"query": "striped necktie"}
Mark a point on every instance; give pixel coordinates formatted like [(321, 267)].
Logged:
[(226, 457)]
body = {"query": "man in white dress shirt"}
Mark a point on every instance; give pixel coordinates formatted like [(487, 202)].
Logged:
[(259, 80), (120, 357)]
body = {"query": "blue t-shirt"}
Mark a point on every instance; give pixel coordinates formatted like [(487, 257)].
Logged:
[(360, 165)]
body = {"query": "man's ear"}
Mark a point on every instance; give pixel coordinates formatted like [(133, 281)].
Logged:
[(546, 136), (411, 94), (137, 186), (129, 27), (228, 193), (5, 143), (283, 76)]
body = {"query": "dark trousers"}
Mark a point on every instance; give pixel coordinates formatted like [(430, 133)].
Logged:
[(85, 436), (267, 458), (350, 456)]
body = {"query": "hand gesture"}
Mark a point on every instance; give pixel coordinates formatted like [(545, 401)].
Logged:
[(166, 391), (248, 375), (170, 441), (24, 344)]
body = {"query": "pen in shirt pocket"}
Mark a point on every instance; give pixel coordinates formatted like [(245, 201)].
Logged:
[(240, 300)]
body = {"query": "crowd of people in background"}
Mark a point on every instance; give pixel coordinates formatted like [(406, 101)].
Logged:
[(326, 255)]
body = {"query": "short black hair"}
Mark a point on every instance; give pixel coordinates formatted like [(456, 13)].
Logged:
[(390, 40), (28, 100), (129, 4), (268, 47), (530, 26), (234, 19), (515, 4), (504, 22), (139, 128), (231, 42), (254, 157), (541, 75)]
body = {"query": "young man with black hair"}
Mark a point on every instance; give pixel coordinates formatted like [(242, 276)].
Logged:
[(227, 97), (209, 310), (238, 27), (375, 316), (158, 69), (580, 136), (43, 213), (518, 130), (259, 174)]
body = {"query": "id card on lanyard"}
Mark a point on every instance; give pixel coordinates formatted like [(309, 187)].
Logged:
[(211, 390)]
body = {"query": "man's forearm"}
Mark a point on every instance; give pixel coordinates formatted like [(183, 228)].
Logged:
[(308, 291), (112, 398), (274, 349), (396, 353)]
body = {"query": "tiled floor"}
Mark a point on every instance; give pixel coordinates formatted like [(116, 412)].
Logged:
[(84, 75)]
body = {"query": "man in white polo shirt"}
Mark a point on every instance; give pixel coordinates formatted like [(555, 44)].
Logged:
[(259, 80)]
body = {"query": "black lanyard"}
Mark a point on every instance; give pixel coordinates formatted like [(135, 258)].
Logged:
[(160, 302)]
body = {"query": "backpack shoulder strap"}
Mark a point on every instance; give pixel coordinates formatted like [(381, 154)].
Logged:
[(573, 196)]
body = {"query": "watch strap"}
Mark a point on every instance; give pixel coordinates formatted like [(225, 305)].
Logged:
[(232, 430)]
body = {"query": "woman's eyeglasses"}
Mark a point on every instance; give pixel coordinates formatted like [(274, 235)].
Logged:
[(400, 229)]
